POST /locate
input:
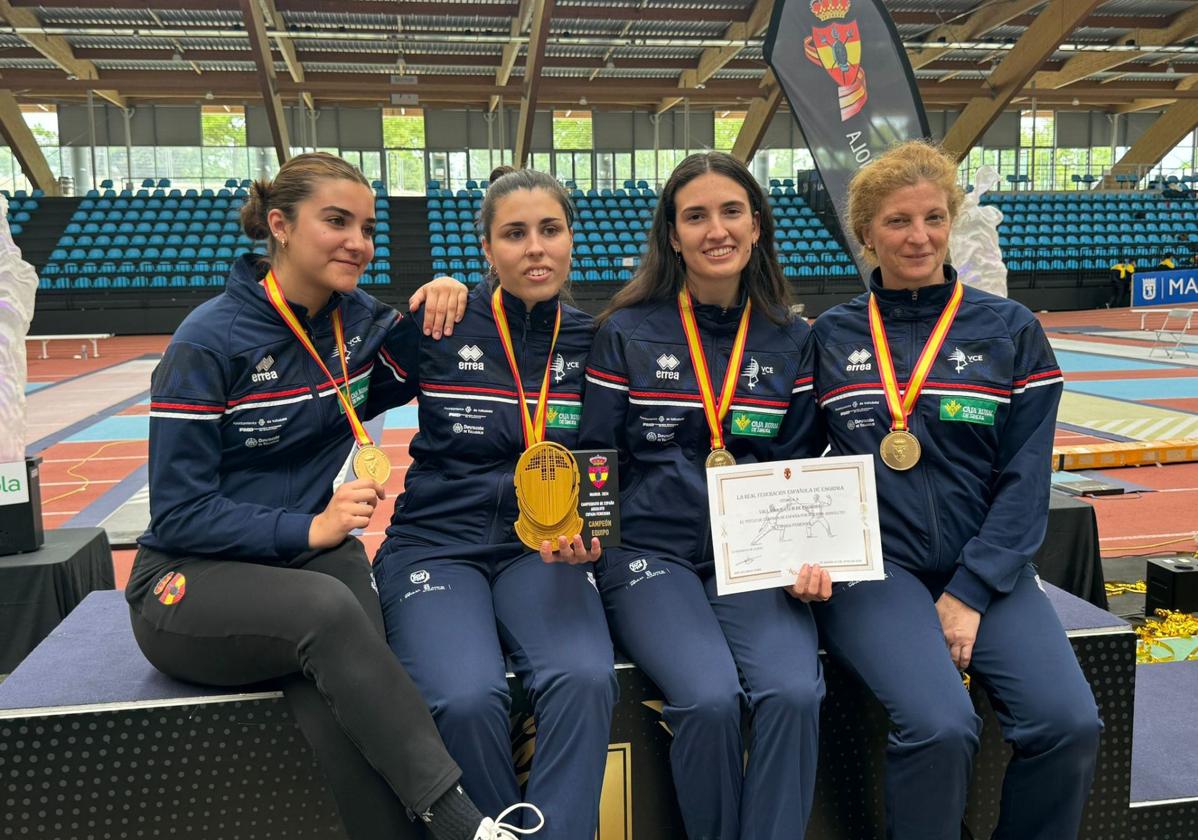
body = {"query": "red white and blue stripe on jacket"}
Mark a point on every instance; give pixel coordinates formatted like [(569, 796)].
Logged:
[(643, 399), (246, 433), (975, 507)]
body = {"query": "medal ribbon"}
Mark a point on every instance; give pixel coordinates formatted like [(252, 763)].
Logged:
[(715, 411), (534, 427), (275, 295), (900, 408)]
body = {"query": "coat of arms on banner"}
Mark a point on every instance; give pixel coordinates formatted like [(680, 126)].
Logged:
[(1148, 288), (837, 48)]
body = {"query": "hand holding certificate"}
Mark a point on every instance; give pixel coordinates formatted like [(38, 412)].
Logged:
[(768, 519)]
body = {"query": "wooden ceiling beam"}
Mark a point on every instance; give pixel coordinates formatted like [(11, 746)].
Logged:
[(714, 58), (56, 48), (268, 82), (511, 51), (990, 16), (24, 146), (757, 119), (1182, 27), (1037, 43), (542, 15), (285, 46)]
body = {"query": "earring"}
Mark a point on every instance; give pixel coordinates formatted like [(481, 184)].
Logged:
[(678, 255), (283, 241)]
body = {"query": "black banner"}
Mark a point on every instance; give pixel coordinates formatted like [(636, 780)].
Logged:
[(850, 87)]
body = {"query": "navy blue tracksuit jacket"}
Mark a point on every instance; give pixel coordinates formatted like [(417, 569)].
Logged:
[(976, 506), (459, 491), (247, 435), (966, 520), (643, 399)]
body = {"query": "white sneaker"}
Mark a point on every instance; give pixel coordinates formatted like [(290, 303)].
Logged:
[(497, 829)]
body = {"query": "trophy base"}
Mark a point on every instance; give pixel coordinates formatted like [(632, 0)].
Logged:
[(21, 522)]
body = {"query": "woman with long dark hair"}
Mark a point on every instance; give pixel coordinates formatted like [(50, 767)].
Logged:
[(698, 363)]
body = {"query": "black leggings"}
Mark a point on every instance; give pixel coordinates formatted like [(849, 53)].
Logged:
[(315, 628)]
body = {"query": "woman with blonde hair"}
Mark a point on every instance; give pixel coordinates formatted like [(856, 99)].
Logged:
[(957, 402)]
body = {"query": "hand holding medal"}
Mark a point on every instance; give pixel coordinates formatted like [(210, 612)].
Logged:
[(369, 461)]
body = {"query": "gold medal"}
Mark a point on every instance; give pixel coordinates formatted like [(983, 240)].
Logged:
[(719, 458), (900, 450), (547, 492), (546, 476), (371, 462), (714, 410)]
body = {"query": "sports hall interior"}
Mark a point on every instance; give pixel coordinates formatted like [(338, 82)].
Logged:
[(134, 128)]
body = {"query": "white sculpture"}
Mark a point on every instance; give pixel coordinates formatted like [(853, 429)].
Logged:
[(18, 287), (974, 240)]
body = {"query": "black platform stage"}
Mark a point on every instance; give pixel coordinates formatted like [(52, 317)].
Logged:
[(95, 742)]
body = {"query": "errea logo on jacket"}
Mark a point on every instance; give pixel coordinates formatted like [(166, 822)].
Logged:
[(667, 365), (470, 358), (859, 361), (263, 370)]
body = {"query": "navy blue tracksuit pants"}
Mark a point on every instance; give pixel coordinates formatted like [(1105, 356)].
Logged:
[(450, 621), (692, 644), (888, 632)]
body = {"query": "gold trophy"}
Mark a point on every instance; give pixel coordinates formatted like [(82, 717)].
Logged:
[(547, 492)]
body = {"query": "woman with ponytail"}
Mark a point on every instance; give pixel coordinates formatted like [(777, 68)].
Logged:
[(260, 471), (698, 364), (460, 585)]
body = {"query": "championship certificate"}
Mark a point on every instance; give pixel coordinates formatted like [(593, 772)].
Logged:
[(768, 519)]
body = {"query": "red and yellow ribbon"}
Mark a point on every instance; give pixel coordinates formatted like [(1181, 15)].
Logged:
[(901, 406), (534, 427), (715, 411), (275, 295)]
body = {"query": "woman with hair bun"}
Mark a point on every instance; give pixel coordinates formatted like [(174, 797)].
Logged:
[(957, 403), (260, 470)]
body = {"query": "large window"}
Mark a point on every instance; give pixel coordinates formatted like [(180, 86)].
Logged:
[(727, 128), (1037, 144), (572, 130), (403, 139)]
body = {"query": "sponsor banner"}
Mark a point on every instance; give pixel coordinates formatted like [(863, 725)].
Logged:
[(14, 485), (968, 410), (850, 86), (1161, 288)]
